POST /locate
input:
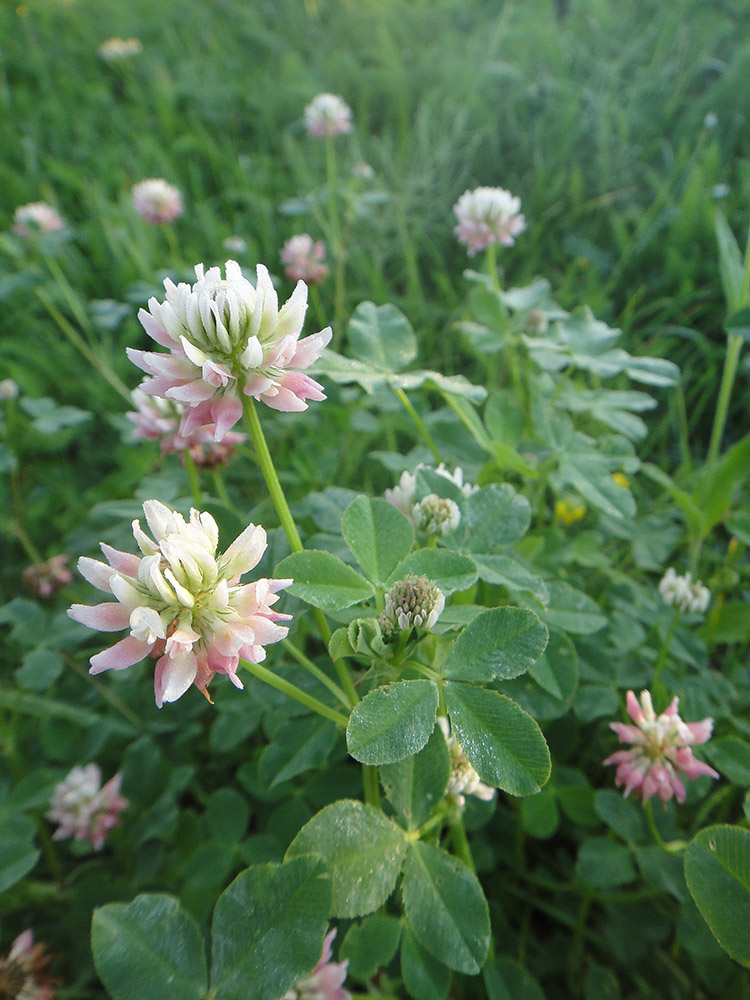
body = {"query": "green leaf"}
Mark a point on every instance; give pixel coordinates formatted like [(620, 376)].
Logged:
[(620, 814), (39, 668), (604, 864), (362, 851), (227, 815), (502, 742), (731, 756), (572, 610), (425, 978), (446, 908), (370, 945), (539, 814), (298, 746), (505, 571), (414, 786), (323, 580), (378, 535), (18, 855), (451, 571), (720, 482), (717, 870), (149, 947), (731, 264), (499, 643), (507, 979), (392, 722), (382, 335), (557, 669), (496, 516), (268, 929)]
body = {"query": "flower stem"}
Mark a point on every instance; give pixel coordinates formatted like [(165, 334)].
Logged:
[(734, 347), (461, 844), (491, 264), (307, 663), (269, 473), (420, 424), (649, 810), (371, 786), (192, 472), (287, 688), (657, 687)]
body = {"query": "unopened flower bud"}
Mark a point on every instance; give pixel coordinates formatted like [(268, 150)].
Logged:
[(413, 602), (436, 515)]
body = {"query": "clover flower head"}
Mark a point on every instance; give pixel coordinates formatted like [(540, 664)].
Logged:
[(660, 751), (158, 419), (488, 215), (84, 808), (304, 260), (235, 244), (228, 338), (436, 515), (463, 779), (711, 120), (414, 602), (8, 389), (47, 577), (328, 115), (115, 49), (157, 201), (24, 972), (569, 511), (183, 602), (326, 981), (403, 495), (684, 593), (35, 218), (363, 171)]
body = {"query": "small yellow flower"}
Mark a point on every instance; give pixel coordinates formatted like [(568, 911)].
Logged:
[(621, 480), (569, 511)]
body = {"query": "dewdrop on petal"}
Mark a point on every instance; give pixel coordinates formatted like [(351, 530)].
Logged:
[(83, 808), (228, 338), (660, 752), (463, 779), (488, 215), (157, 201), (328, 115), (183, 602), (683, 593), (326, 981), (413, 602)]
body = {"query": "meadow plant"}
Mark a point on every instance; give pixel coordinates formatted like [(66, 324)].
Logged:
[(327, 115), (488, 215), (84, 808), (304, 260), (157, 201), (24, 972), (36, 217), (116, 49)]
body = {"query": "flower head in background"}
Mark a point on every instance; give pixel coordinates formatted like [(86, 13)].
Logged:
[(683, 593), (414, 602), (84, 808), (488, 215), (24, 972), (157, 201), (569, 511), (328, 115), (304, 260), (35, 218), (403, 496), (115, 49), (227, 338), (183, 602), (326, 981), (47, 577), (463, 780), (8, 390), (235, 244), (436, 515), (158, 419), (661, 750)]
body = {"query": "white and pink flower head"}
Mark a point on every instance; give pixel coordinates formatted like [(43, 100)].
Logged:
[(326, 981), (84, 808), (35, 218), (488, 215), (228, 338), (157, 201), (661, 750), (24, 973), (183, 602), (328, 115), (304, 259)]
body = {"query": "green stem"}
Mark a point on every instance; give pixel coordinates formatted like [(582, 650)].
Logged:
[(461, 844), (331, 181), (174, 249), (70, 296), (657, 688), (420, 424), (75, 338), (221, 490), (274, 681), (491, 265), (312, 668), (192, 473), (649, 810), (734, 347), (269, 473), (371, 785)]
